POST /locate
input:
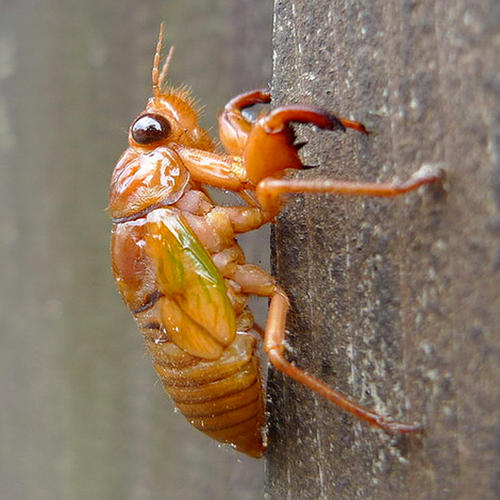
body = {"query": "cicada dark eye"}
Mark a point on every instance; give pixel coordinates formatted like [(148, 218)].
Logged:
[(150, 128)]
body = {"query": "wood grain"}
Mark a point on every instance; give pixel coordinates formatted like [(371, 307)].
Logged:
[(394, 302)]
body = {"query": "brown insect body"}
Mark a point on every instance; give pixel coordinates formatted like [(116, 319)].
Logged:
[(180, 270), (221, 397)]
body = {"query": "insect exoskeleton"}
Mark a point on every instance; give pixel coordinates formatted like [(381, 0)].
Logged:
[(180, 270)]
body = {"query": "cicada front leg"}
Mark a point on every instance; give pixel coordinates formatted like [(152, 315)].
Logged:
[(270, 151), (266, 145), (234, 128)]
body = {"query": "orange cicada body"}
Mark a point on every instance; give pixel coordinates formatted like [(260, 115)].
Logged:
[(180, 270)]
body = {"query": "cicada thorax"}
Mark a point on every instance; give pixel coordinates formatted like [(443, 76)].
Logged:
[(143, 181), (194, 319)]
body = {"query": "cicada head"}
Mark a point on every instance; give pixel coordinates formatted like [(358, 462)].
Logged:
[(170, 115), (150, 173)]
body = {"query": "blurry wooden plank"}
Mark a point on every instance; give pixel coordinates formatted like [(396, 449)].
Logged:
[(394, 302), (82, 415)]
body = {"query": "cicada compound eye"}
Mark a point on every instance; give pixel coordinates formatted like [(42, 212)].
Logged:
[(150, 128)]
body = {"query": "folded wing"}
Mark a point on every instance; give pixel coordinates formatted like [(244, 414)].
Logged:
[(195, 308)]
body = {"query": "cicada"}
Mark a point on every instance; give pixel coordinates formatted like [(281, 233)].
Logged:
[(180, 270)]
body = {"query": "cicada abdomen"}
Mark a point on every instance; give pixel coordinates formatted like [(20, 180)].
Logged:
[(222, 398)]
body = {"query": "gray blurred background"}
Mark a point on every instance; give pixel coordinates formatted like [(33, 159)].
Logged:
[(82, 414)]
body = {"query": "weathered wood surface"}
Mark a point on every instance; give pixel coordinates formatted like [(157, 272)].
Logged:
[(395, 302), (82, 415)]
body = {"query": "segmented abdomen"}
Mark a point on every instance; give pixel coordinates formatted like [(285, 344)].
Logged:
[(222, 398)]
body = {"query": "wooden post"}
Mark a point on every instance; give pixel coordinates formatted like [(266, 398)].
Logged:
[(394, 302)]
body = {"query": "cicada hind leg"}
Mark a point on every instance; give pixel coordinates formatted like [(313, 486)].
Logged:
[(260, 283)]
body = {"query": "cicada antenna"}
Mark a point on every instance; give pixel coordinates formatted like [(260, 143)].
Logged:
[(156, 62), (159, 77), (165, 66)]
